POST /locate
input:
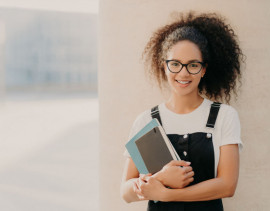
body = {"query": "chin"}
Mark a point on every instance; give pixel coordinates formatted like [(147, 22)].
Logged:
[(185, 92)]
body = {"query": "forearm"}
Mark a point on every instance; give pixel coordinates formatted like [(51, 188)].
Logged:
[(222, 186), (127, 191), (208, 190)]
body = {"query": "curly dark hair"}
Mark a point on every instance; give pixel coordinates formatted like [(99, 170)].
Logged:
[(222, 54)]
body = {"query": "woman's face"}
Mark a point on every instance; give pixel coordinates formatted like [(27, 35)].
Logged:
[(183, 83)]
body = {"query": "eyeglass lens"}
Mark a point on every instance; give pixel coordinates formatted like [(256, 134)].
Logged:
[(193, 67)]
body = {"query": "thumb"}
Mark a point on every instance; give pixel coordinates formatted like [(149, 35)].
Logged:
[(143, 175)]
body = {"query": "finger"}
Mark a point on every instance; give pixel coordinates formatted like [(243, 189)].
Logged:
[(141, 176), (178, 163), (189, 174), (188, 169), (141, 197), (138, 184), (139, 193), (135, 187), (147, 178), (188, 181), (191, 179), (141, 182)]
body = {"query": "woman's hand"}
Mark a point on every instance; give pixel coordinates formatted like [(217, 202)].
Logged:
[(148, 188), (175, 174)]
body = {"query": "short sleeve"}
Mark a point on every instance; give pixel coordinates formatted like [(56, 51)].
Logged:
[(138, 124), (231, 129)]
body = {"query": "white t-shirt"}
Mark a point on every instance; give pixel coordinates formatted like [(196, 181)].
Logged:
[(227, 127)]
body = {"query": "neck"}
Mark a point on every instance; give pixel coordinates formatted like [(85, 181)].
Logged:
[(184, 104)]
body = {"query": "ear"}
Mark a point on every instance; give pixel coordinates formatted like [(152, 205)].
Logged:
[(204, 70)]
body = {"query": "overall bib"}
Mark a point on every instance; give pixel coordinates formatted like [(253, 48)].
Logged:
[(199, 150)]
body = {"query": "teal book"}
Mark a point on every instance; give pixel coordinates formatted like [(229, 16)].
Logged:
[(151, 149)]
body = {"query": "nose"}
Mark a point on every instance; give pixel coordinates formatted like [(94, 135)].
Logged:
[(184, 71)]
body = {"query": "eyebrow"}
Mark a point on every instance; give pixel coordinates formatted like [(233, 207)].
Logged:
[(189, 61)]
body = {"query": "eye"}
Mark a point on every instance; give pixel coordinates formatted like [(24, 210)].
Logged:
[(194, 65), (175, 64)]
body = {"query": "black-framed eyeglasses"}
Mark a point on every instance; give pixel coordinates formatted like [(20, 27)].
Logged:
[(175, 66)]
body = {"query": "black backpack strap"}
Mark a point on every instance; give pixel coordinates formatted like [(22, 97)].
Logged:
[(215, 106), (155, 114)]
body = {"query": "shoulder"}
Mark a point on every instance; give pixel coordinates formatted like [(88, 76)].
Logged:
[(141, 120), (228, 119), (230, 126), (143, 117), (224, 108), (227, 115), (228, 111)]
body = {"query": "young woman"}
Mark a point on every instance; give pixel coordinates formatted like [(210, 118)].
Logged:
[(199, 58)]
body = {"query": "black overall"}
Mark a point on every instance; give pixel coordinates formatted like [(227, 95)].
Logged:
[(199, 150)]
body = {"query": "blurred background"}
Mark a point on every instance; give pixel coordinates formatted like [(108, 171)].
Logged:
[(48, 105)]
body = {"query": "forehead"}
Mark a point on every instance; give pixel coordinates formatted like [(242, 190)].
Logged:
[(184, 51)]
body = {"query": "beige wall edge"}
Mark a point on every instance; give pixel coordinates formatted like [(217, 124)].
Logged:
[(125, 27)]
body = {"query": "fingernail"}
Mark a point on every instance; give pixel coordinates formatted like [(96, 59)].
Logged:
[(188, 163)]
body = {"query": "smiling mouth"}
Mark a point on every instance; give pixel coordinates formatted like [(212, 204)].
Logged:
[(183, 82)]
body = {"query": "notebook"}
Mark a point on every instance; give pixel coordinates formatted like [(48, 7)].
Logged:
[(151, 149)]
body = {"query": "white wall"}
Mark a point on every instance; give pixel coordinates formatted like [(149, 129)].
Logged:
[(2, 59)]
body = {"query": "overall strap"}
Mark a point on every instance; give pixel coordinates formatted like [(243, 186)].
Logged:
[(215, 106), (155, 114)]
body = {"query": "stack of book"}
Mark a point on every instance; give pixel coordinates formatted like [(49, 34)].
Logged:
[(151, 149)]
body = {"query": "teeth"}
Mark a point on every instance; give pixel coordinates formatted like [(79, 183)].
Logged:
[(183, 82)]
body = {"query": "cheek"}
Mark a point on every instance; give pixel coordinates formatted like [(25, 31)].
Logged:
[(198, 79), (170, 77)]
